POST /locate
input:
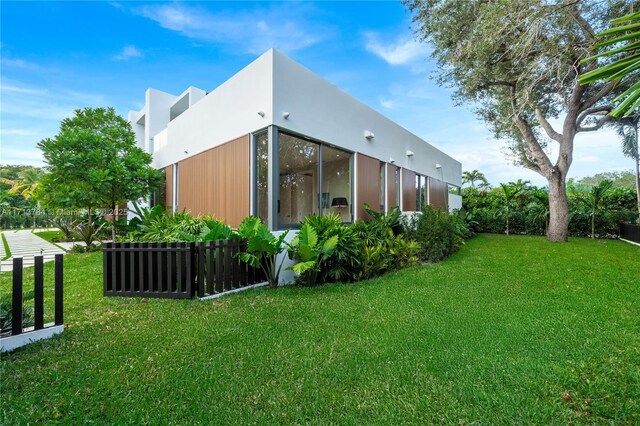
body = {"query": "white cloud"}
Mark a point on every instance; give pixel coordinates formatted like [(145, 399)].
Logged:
[(19, 63), (281, 26), (403, 50), (129, 52), (387, 103)]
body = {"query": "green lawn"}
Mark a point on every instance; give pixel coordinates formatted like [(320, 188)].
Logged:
[(53, 236), (508, 330)]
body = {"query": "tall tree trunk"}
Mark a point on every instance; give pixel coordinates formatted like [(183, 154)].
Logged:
[(113, 224), (507, 220), (90, 218), (558, 209)]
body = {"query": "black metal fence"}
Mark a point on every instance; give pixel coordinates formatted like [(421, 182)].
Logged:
[(18, 325), (176, 270), (631, 232)]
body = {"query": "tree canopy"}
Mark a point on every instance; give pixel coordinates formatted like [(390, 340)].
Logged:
[(93, 162)]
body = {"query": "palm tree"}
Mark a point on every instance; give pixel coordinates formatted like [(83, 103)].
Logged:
[(594, 201), (510, 191), (26, 185), (627, 129), (539, 208), (473, 176)]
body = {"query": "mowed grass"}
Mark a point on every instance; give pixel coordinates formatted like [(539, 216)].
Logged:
[(508, 330)]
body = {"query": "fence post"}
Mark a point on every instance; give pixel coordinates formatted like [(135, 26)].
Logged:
[(16, 297), (59, 315), (200, 255), (38, 293)]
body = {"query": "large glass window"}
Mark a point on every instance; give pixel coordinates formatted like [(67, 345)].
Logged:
[(424, 196), (421, 192), (336, 182), (298, 175), (262, 176)]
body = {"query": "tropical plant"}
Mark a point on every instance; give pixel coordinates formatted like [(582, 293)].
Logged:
[(538, 208), (594, 201), (509, 192), (391, 220), (625, 29), (404, 252), (438, 233), (309, 252), (6, 313), (263, 248), (473, 176), (87, 232), (344, 262), (64, 224), (27, 184)]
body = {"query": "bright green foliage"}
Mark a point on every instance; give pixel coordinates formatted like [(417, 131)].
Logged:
[(344, 263), (263, 248), (87, 232), (6, 314), (439, 233), (627, 65), (595, 201), (510, 193), (623, 179), (390, 220), (156, 225), (27, 183), (473, 176), (65, 225), (309, 252), (93, 162), (484, 210)]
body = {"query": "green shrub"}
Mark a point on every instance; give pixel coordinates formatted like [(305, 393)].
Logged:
[(309, 252), (6, 314), (438, 233)]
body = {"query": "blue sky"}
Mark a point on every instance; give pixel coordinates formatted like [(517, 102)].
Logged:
[(57, 57)]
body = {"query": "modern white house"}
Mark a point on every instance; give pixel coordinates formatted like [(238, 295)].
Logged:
[(280, 142)]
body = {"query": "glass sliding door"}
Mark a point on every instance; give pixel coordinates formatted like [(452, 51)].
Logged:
[(298, 161), (336, 182)]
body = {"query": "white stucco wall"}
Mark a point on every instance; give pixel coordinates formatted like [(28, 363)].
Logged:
[(319, 109), (228, 112), (275, 84)]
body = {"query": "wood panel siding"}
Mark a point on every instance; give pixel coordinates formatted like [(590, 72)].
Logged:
[(168, 186), (392, 187), (367, 185), (216, 182), (408, 190), (438, 194)]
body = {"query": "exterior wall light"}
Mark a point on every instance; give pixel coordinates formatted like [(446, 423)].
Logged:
[(438, 166), (391, 160), (368, 135), (409, 153), (285, 115), (261, 114)]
